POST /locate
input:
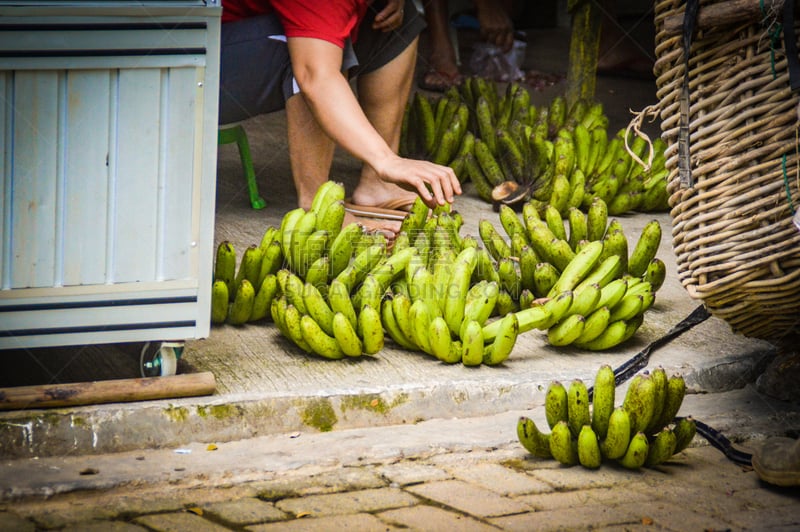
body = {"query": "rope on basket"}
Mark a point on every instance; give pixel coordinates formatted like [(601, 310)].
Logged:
[(636, 125), (684, 155)]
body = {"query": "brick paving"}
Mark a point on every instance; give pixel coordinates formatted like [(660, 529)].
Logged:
[(504, 489)]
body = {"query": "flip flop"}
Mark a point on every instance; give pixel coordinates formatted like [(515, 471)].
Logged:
[(395, 209), (436, 81)]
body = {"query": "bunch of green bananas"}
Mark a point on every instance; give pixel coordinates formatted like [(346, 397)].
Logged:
[(642, 431), (513, 151), (582, 273), (441, 304)]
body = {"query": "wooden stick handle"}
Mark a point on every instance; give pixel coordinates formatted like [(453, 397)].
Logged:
[(109, 391), (722, 13)]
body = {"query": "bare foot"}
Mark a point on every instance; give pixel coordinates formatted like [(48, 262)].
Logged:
[(379, 194)]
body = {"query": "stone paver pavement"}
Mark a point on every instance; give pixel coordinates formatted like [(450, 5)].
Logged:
[(493, 489)]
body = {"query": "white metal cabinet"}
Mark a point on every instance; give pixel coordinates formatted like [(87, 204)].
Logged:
[(108, 129)]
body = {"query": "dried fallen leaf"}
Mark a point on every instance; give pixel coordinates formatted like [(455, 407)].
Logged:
[(211, 447), (647, 521), (195, 510), (302, 514)]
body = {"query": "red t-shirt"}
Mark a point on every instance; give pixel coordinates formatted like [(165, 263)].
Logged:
[(332, 21)]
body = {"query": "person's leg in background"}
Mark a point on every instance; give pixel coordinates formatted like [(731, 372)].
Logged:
[(441, 67)]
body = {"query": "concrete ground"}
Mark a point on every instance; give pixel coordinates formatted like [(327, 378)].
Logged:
[(293, 442)]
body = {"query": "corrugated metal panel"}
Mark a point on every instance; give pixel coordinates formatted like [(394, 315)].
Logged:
[(108, 160), (102, 171)]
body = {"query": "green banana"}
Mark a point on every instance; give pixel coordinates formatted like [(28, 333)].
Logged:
[(562, 445), (499, 350), (511, 222), (343, 246), (242, 307), (392, 328), (545, 277), (532, 439), (250, 266), (685, 430), (509, 277), (603, 396), (578, 227), (556, 404), (328, 193), (578, 268), (401, 308), (345, 335), (661, 448), (458, 286), (577, 406), (558, 307), (219, 301), (528, 318), (527, 270), (656, 273), (271, 260), (291, 320), (615, 243), (660, 379), (618, 436), (639, 401), (369, 293), (613, 292), (263, 299), (225, 266), (420, 316), (355, 272), (645, 249), (554, 221), (370, 328), (676, 390), (320, 343), (440, 340), (589, 448), (614, 335), (493, 241), (481, 301), (596, 219), (297, 244), (415, 219), (577, 184), (331, 219), (604, 272), (566, 331), (472, 344), (287, 227), (584, 301), (630, 306), (636, 454), (340, 301), (560, 197), (594, 325)]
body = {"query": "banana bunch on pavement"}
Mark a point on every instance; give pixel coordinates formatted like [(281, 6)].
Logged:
[(305, 272), (576, 281), (641, 432), (513, 151), (446, 295)]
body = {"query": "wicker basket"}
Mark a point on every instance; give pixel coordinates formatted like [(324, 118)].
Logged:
[(736, 246)]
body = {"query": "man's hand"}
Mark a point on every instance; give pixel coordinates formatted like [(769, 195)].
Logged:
[(435, 184), (390, 17)]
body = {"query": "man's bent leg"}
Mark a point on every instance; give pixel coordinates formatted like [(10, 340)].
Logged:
[(310, 150)]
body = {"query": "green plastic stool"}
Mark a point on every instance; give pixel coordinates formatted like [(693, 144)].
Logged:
[(236, 133)]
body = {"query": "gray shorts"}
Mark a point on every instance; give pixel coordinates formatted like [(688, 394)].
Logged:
[(256, 73)]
